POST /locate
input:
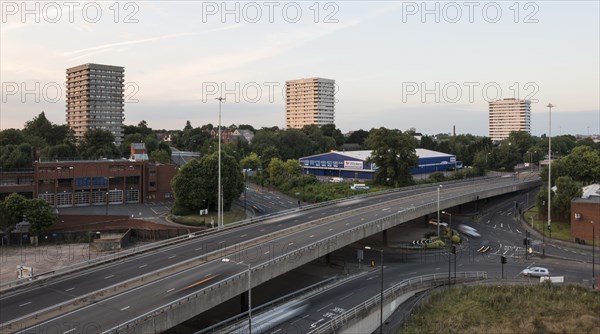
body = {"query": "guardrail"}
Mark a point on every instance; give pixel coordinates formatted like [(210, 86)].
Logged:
[(398, 289)]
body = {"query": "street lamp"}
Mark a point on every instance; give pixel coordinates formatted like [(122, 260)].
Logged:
[(438, 210), (550, 106), (249, 291), (219, 204), (106, 214), (381, 293), (450, 243)]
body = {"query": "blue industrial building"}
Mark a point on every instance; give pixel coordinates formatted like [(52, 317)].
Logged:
[(354, 165)]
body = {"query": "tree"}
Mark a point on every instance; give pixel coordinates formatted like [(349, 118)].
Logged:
[(566, 190), (251, 161), (196, 183), (583, 164), (358, 137), (16, 156), (98, 143), (394, 155), (188, 188), (40, 215), (522, 140), (276, 171), (161, 156), (11, 137), (39, 127), (12, 212), (329, 130), (505, 157)]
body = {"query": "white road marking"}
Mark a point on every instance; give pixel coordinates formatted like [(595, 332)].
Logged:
[(291, 243), (170, 290), (110, 276), (221, 241), (197, 249), (172, 257), (347, 224), (331, 229), (267, 252), (324, 307), (346, 296), (312, 236), (501, 225), (279, 330), (69, 289), (385, 209), (243, 235), (25, 304), (208, 275), (262, 230), (69, 331), (518, 231), (124, 308)]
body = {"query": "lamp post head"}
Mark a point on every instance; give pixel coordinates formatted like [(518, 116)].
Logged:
[(367, 247)]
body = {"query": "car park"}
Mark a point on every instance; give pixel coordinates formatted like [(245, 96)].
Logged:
[(535, 271), (468, 231)]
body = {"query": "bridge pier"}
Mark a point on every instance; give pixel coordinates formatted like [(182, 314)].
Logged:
[(384, 238)]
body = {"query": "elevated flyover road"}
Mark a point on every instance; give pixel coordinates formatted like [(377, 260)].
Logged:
[(278, 235)]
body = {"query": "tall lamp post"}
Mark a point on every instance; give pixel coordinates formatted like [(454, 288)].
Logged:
[(381, 292), (249, 291), (107, 201), (219, 204), (438, 210), (450, 243), (550, 106)]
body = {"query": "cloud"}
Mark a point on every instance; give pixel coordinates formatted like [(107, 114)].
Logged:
[(82, 53)]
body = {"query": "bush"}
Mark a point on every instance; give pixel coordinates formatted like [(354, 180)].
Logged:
[(435, 244)]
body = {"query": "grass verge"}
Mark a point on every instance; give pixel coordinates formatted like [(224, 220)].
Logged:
[(560, 230), (542, 308)]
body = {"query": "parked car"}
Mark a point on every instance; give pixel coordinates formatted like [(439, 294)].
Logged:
[(434, 222), (535, 271), (469, 231)]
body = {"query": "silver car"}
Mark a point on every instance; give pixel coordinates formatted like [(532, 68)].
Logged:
[(535, 271)]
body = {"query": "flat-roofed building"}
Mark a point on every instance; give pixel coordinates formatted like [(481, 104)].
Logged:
[(95, 99), (309, 101), (508, 115)]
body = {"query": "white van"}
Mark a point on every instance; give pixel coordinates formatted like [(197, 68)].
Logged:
[(336, 180)]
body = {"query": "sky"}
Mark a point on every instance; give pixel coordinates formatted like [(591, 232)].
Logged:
[(425, 65)]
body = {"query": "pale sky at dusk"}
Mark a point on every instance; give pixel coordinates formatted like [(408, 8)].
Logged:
[(180, 55)]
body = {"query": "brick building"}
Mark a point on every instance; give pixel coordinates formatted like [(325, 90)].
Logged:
[(91, 182), (584, 211)]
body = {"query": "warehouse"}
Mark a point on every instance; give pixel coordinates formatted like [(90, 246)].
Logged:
[(354, 165)]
